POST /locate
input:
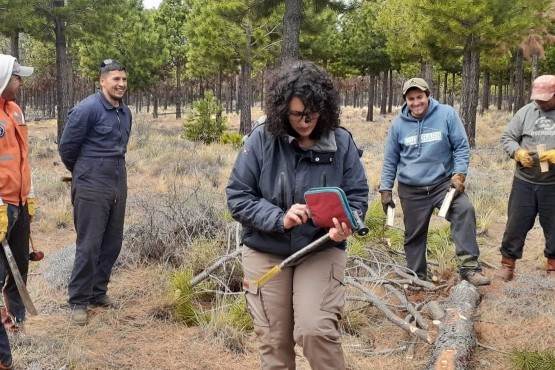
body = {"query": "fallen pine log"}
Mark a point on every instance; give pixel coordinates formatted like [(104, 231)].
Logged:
[(456, 338)]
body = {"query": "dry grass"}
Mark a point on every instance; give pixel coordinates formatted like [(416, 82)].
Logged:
[(143, 333)]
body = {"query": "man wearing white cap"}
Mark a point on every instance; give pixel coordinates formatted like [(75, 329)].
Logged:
[(533, 190), (427, 152), (17, 206)]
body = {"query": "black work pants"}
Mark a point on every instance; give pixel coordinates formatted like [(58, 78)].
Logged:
[(526, 201), (18, 240), (418, 204), (99, 193)]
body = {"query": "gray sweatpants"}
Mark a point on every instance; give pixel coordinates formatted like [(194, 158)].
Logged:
[(302, 304), (418, 203)]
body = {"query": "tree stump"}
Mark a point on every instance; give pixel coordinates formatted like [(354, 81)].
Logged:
[(456, 338)]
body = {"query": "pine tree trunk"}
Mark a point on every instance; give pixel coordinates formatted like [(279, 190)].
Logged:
[(519, 81), (500, 92), (469, 88), (14, 43), (178, 65), (534, 64), (245, 123), (383, 105), (485, 94), (371, 92), (390, 99), (219, 91), (291, 30), (64, 78), (445, 78), (427, 71), (451, 98)]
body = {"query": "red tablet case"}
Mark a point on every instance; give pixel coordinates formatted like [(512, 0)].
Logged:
[(328, 202)]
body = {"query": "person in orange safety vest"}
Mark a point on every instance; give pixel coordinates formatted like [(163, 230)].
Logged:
[(17, 205)]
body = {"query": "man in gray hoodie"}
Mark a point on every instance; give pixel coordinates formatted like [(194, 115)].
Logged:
[(533, 189), (427, 151)]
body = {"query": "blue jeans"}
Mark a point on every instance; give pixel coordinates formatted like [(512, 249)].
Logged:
[(526, 201)]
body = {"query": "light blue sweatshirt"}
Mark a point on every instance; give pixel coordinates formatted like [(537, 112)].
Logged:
[(425, 151)]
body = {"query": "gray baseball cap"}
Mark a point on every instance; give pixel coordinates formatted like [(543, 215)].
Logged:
[(20, 70)]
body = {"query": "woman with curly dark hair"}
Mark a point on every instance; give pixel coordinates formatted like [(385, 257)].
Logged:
[(300, 146)]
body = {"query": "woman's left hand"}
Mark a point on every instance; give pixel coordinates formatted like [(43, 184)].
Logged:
[(340, 232)]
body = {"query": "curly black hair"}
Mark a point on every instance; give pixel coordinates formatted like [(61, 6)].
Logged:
[(313, 86)]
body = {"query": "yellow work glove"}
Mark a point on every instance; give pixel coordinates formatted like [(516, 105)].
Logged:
[(548, 155), (31, 208), (523, 156), (3, 221), (457, 182)]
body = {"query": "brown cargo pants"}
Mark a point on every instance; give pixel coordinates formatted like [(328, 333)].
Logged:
[(302, 304)]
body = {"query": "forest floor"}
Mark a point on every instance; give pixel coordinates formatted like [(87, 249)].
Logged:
[(142, 333)]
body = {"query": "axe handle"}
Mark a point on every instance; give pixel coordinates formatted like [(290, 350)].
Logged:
[(390, 216), (446, 203), (544, 166), (22, 289), (277, 268), (32, 242)]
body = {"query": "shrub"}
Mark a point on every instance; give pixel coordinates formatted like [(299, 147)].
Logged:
[(229, 322), (187, 298), (533, 360), (233, 139), (206, 122), (162, 228)]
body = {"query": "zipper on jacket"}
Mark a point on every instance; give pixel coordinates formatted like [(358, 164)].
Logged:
[(119, 128), (324, 180), (281, 191)]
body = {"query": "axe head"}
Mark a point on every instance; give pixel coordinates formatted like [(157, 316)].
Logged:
[(36, 256)]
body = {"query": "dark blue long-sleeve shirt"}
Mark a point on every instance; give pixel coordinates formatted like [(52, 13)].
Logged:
[(95, 128)]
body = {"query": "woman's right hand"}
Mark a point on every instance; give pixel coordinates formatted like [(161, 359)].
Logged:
[(298, 214)]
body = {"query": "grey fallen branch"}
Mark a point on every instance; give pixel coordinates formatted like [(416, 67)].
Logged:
[(206, 273), (415, 280), (382, 352), (388, 285), (380, 305), (408, 306)]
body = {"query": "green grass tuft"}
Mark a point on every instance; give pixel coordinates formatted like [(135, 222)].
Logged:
[(533, 360)]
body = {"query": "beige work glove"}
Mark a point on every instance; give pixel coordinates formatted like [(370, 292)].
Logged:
[(31, 208), (548, 155), (3, 221), (524, 157)]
